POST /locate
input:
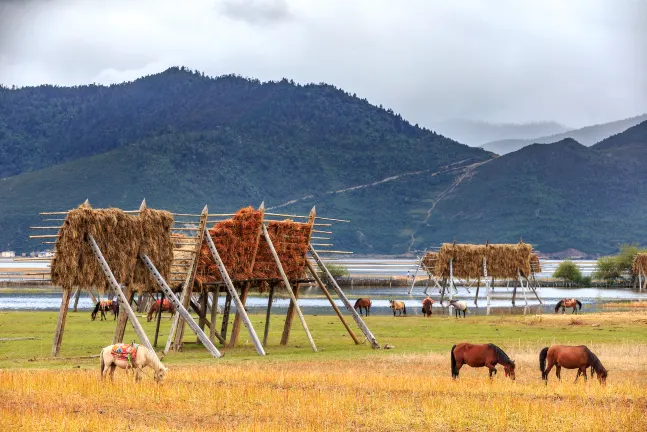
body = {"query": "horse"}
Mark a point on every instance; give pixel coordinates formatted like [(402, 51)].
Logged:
[(571, 357), (426, 306), (155, 308), (564, 303), (104, 306), (488, 355), (459, 306), (130, 357), (365, 303), (398, 306)]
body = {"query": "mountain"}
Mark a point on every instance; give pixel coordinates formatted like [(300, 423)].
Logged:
[(182, 140), (588, 136), (477, 133)]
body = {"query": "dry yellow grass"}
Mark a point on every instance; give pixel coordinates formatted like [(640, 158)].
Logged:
[(398, 392), (631, 304)]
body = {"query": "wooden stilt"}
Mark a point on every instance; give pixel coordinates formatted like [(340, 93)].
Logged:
[(332, 302), (644, 286), (225, 318), (268, 315), (293, 292), (514, 292), (203, 301), (122, 320), (487, 285), (60, 324), (159, 319), (77, 295), (214, 313), (442, 291), (478, 286), (91, 294), (235, 329), (534, 291), (289, 317)]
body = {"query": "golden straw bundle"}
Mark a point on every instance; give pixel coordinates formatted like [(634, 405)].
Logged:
[(503, 260)]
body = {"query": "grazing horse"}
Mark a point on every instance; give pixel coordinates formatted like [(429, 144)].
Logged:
[(459, 306), (130, 357), (398, 306), (487, 355), (426, 306), (104, 306), (155, 309), (364, 303), (564, 303), (570, 357)]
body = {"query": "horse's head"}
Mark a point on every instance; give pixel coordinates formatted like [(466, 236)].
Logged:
[(509, 370), (391, 304), (602, 376), (160, 374), (93, 315)]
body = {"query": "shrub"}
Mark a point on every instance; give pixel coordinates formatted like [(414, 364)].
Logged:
[(567, 270), (337, 271)]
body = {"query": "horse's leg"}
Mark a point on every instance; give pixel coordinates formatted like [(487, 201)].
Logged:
[(584, 372), (579, 372), (549, 366), (112, 371), (558, 371)]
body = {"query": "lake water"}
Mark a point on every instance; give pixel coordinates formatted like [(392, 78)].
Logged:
[(313, 302)]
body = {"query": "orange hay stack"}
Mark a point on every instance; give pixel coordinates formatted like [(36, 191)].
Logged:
[(291, 240), (237, 241)]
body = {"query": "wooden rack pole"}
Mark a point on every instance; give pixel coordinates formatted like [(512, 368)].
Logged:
[(323, 288), (268, 315), (234, 294), (416, 273), (286, 282), (60, 324), (214, 313), (159, 318), (487, 285), (115, 285), (179, 307), (344, 299)]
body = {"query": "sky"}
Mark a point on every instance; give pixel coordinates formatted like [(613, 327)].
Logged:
[(577, 62)]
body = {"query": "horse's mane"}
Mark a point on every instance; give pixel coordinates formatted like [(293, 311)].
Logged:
[(502, 357), (595, 361)]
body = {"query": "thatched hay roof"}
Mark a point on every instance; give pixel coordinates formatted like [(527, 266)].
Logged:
[(640, 261), (503, 260), (429, 263), (291, 240), (121, 237)]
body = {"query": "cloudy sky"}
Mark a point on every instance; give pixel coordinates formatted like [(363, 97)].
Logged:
[(577, 62)]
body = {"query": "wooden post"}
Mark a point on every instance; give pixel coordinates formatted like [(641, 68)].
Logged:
[(214, 313), (416, 273), (177, 325), (203, 302), (77, 295), (523, 288), (293, 295), (289, 317), (225, 318), (514, 291), (332, 302), (60, 324), (344, 299), (451, 280), (159, 318), (268, 315), (235, 329), (125, 302), (442, 291), (179, 308), (94, 299), (478, 286), (122, 320), (487, 285), (534, 291)]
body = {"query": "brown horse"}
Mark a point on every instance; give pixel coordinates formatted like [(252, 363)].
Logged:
[(564, 303), (364, 303), (104, 306), (155, 308), (488, 355), (426, 306), (398, 306), (570, 357)]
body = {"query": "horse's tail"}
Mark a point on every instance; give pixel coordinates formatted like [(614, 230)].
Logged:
[(404, 307), (103, 364), (454, 371), (579, 304), (542, 360), (558, 305)]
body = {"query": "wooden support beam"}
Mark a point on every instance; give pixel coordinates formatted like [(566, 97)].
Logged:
[(122, 319), (214, 314), (203, 311), (225, 319), (268, 315), (323, 288), (293, 293), (514, 291), (91, 294), (159, 318), (289, 317), (77, 296), (235, 330), (60, 324), (344, 299)]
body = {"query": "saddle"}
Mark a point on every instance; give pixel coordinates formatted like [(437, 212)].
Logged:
[(105, 303), (126, 352)]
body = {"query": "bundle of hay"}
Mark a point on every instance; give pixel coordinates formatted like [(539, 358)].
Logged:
[(429, 263), (237, 241), (291, 240), (640, 262), (535, 265), (120, 237), (503, 260)]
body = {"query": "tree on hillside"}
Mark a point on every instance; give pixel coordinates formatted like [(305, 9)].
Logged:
[(568, 271)]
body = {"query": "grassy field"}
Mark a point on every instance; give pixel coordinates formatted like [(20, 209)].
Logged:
[(341, 387)]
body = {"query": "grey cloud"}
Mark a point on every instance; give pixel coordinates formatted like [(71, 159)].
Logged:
[(256, 11)]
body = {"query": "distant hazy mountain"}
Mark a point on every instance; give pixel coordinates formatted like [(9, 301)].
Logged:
[(587, 136), (476, 133)]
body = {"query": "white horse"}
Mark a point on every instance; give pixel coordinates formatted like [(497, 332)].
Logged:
[(459, 306), (143, 358)]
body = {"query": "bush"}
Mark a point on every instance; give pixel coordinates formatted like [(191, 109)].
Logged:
[(618, 266), (337, 271), (567, 270)]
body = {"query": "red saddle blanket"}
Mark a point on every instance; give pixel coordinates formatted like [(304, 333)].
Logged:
[(105, 303), (127, 352)]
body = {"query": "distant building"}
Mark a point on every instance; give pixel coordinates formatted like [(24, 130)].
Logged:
[(45, 254), (7, 254)]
